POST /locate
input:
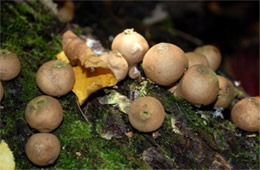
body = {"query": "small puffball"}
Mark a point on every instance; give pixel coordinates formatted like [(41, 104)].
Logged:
[(146, 114), (196, 58), (55, 78), (44, 113), (164, 63), (225, 94), (246, 114), (10, 65), (212, 54), (117, 63), (43, 149), (131, 45), (199, 85)]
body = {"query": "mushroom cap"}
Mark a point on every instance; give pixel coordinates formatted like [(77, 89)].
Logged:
[(10, 65), (44, 113), (55, 78), (164, 63), (131, 45), (213, 55), (146, 114), (196, 58), (1, 91), (226, 92), (42, 149), (246, 114), (117, 63), (199, 85)]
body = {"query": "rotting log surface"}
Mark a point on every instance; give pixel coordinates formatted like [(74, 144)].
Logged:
[(189, 137)]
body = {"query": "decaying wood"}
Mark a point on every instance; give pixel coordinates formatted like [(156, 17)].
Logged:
[(191, 148)]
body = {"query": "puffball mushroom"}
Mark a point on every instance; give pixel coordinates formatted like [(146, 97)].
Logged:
[(44, 113), (55, 78), (132, 46), (117, 63), (226, 92), (213, 55), (246, 114), (1, 91), (10, 65), (146, 114), (42, 149), (164, 63), (196, 58), (199, 85)]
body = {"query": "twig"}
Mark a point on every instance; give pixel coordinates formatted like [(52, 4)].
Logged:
[(82, 113), (223, 161)]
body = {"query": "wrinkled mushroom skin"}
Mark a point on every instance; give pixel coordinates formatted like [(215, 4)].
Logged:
[(1, 91), (146, 114), (226, 92), (164, 63), (117, 63), (10, 65), (131, 45), (42, 149), (199, 85), (55, 78), (213, 55), (196, 58), (246, 114), (44, 113)]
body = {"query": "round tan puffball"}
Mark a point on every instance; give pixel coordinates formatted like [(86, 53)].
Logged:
[(55, 78), (164, 63), (42, 149)]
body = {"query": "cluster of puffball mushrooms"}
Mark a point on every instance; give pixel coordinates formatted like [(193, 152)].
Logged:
[(190, 76), (45, 114)]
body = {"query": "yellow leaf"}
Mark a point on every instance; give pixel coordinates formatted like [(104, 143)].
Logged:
[(91, 77), (62, 56), (6, 157)]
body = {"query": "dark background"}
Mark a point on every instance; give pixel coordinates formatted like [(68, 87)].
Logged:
[(233, 26)]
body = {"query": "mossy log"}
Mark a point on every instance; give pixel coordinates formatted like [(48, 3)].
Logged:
[(98, 135)]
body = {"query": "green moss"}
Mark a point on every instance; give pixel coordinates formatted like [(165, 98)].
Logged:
[(7, 127), (75, 131), (78, 137), (179, 106)]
